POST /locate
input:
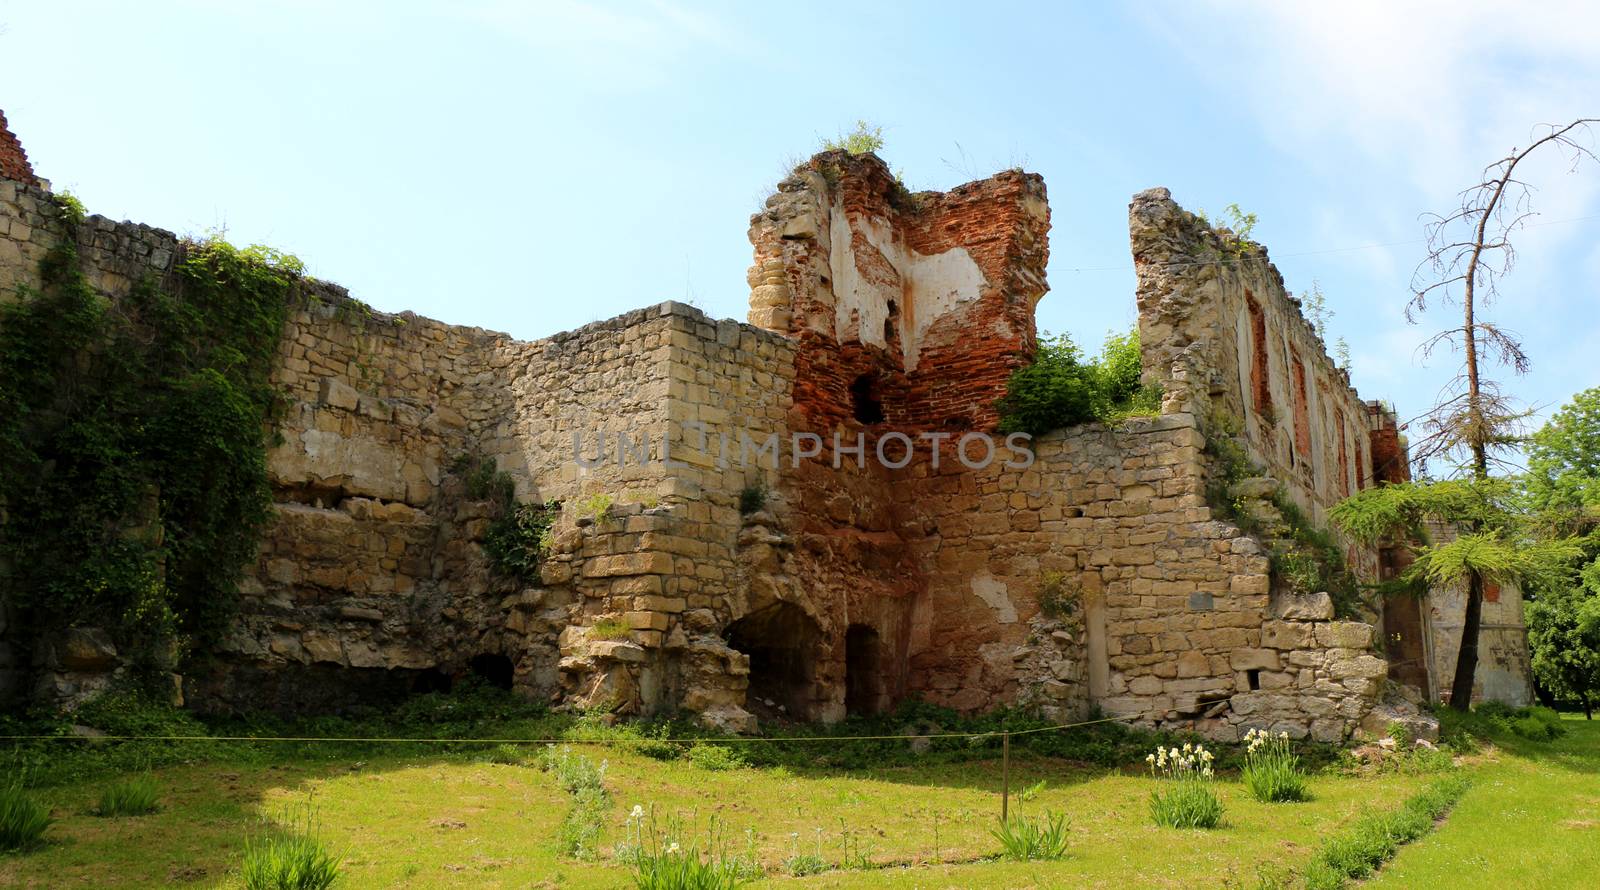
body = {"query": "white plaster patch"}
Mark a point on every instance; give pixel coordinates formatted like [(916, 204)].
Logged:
[(933, 285), (993, 592)]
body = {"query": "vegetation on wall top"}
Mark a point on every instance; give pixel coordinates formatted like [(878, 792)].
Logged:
[(1062, 388)]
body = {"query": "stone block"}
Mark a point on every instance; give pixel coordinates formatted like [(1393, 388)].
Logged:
[(1344, 635), (1303, 607), (1253, 659), (647, 563), (646, 620), (1362, 667), (1286, 634)]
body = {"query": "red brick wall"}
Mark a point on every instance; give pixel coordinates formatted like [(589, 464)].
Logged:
[(13, 160), (967, 354)]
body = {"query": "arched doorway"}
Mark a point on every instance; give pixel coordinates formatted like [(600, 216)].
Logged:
[(781, 641), (863, 671)]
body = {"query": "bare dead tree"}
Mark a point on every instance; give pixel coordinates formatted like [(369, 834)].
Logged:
[(1469, 253)]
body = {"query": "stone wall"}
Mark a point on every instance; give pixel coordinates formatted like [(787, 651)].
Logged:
[(1214, 315), (690, 567)]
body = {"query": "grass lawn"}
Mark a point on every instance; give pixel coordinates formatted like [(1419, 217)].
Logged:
[(1531, 820), (453, 820)]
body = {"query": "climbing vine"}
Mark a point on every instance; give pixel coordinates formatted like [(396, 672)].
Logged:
[(133, 439)]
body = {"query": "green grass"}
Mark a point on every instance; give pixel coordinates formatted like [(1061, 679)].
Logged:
[(418, 816), (288, 860), (1532, 819), (23, 819), (137, 795)]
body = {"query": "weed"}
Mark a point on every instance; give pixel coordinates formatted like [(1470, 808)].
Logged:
[(22, 819), (717, 758), (664, 857), (596, 507), (133, 796), (580, 777), (1058, 595), (1026, 839), (864, 139), (752, 498), (505, 755), (1401, 734), (289, 857), (609, 629)]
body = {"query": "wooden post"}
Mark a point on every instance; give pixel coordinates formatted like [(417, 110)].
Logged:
[(1005, 776)]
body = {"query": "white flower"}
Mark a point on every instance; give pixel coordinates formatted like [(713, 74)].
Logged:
[(1149, 758), (638, 811), (673, 848), (1283, 735), (1206, 772)]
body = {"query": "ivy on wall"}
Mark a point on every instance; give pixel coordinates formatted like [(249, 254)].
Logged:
[(133, 440)]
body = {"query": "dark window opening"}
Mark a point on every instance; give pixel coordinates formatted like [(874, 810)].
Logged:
[(863, 671), (781, 642), (864, 400), (1254, 675), (1260, 379), (496, 670)]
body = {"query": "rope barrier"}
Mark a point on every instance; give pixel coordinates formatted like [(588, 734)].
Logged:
[(991, 733)]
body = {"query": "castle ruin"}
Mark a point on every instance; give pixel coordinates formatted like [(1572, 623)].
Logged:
[(866, 560)]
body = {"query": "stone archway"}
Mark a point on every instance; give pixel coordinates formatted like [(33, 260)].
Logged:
[(781, 641)]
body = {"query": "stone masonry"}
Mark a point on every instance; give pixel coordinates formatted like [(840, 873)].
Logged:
[(691, 569)]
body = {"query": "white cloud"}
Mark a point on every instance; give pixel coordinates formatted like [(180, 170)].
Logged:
[(1433, 89)]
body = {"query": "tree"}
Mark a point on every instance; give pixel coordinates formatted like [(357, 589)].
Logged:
[(1563, 482), (1564, 457), (1564, 641), (1475, 423)]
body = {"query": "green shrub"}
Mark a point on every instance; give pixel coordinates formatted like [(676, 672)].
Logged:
[(289, 858), (1024, 839), (22, 819), (1058, 595), (1061, 388), (1272, 770), (1401, 734), (864, 139), (133, 796), (752, 498), (716, 758), (1492, 718), (802, 865)]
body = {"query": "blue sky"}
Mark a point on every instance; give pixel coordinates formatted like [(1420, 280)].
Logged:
[(534, 167)]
